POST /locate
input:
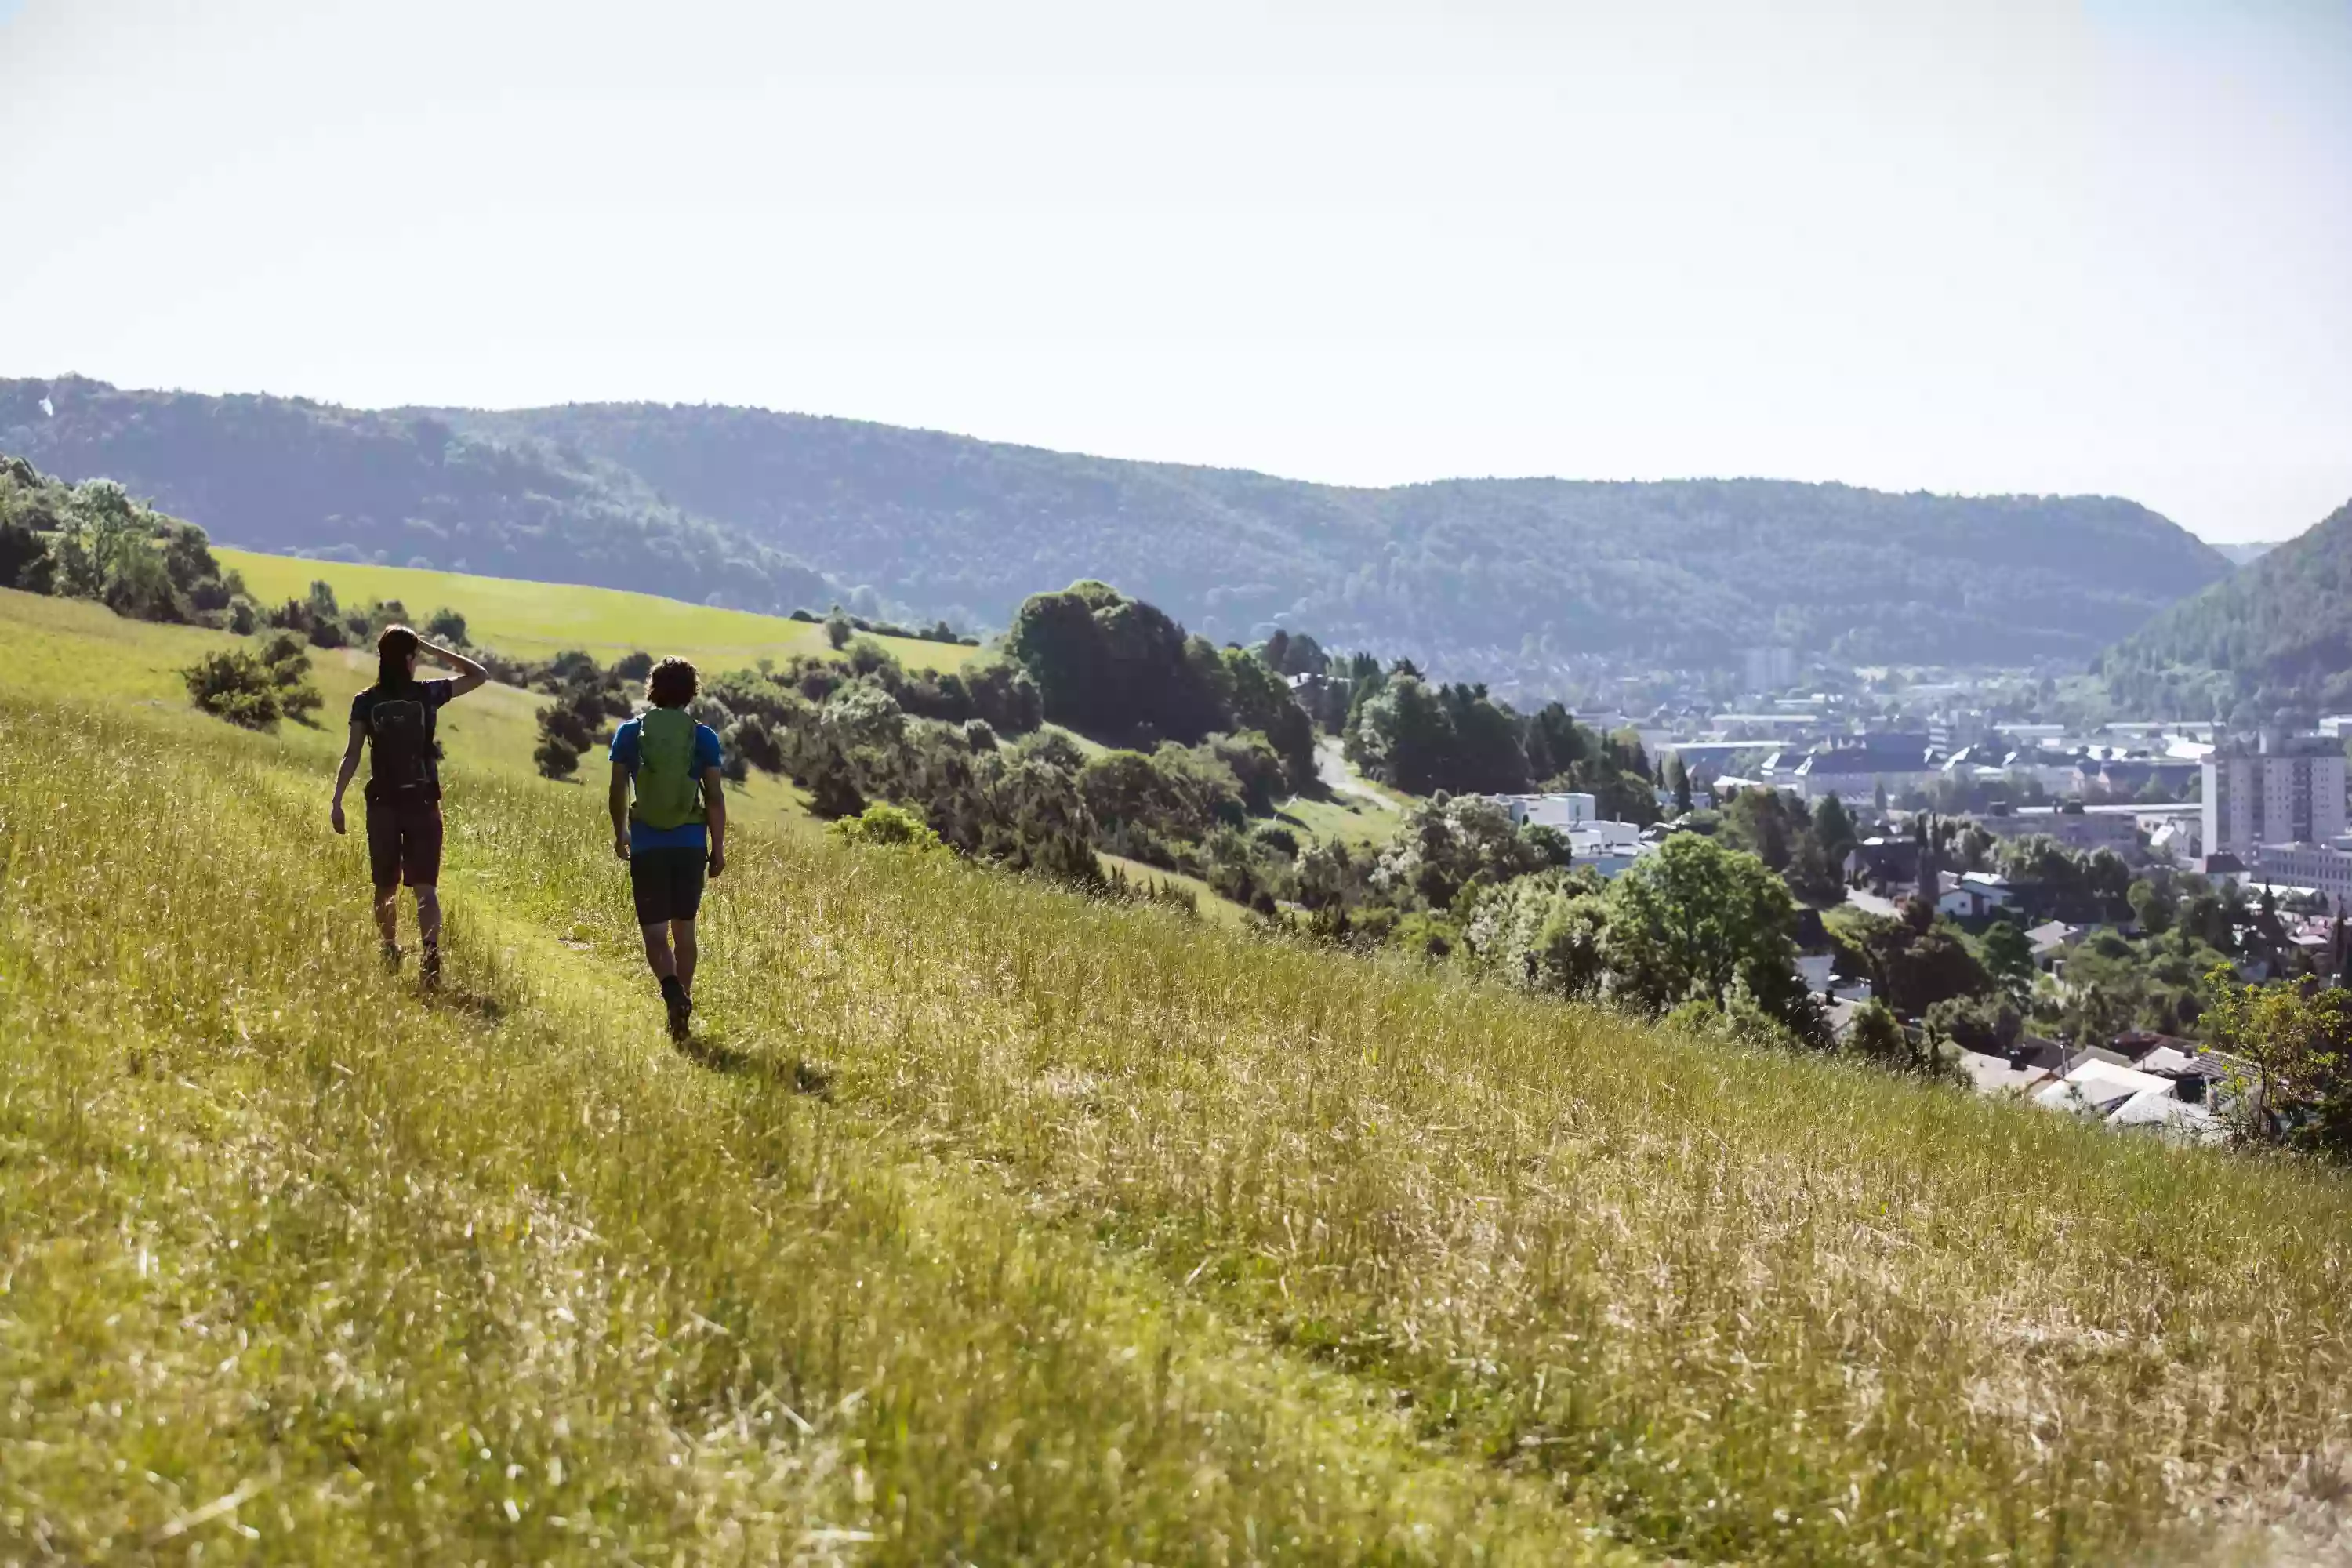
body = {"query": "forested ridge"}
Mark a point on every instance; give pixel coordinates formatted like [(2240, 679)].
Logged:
[(288, 475), (2275, 635), (1499, 579)]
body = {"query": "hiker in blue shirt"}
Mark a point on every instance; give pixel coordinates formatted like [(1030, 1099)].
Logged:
[(674, 831)]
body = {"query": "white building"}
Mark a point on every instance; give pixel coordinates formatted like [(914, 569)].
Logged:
[(1609, 847), (2288, 791), (1975, 895), (1562, 810), (2323, 869)]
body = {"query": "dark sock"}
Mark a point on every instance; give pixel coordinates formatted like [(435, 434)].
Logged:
[(671, 989)]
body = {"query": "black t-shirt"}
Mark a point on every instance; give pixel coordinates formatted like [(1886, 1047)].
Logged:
[(431, 694)]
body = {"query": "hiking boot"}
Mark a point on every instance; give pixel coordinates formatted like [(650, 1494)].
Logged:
[(680, 1010), (390, 954)]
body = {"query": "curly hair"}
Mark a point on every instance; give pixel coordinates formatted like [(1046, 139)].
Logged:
[(672, 684)]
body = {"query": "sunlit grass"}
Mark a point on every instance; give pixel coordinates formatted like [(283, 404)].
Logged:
[(305, 1267), (993, 1223), (535, 620)]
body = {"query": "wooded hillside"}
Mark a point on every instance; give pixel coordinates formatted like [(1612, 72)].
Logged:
[(1496, 579)]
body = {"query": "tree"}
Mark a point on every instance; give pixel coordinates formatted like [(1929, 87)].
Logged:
[(1110, 666), (2009, 955), (1440, 850), (2151, 908), (1402, 736), (1877, 1034), (2290, 1053), (1987, 1023), (1834, 831), (1694, 921), (1543, 933), (837, 630), (1679, 780), (1914, 962)]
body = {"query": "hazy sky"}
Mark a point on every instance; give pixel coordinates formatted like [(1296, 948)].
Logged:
[(1976, 247)]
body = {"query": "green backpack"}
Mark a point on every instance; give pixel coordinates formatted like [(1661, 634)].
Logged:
[(668, 794)]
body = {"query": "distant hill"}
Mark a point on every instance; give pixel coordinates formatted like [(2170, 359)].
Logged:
[(1509, 580), (2275, 634), (284, 475), (2246, 553)]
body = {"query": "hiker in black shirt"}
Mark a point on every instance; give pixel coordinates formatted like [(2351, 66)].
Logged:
[(403, 789)]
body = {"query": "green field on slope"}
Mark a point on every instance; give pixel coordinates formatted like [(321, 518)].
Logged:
[(534, 620), (988, 1224)]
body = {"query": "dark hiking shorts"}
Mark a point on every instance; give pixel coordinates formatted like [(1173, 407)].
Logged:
[(405, 842), (667, 884)]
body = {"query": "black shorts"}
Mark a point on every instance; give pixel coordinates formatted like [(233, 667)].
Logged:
[(403, 840), (668, 883)]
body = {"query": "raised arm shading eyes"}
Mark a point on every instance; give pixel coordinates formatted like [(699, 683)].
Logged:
[(470, 673)]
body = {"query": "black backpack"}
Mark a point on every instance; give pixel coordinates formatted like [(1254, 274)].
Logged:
[(404, 751)]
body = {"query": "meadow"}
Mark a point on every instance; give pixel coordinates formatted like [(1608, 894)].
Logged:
[(988, 1222), (537, 620)]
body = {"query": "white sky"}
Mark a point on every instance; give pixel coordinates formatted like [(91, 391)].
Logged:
[(1976, 247)]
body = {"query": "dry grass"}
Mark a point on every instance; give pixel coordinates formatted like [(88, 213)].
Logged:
[(1216, 1250), (300, 1266)]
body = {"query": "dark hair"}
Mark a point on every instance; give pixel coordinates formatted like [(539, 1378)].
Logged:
[(672, 684), (392, 652)]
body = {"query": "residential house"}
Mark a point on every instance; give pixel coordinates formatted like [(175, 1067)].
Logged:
[(1884, 862), (1974, 895)]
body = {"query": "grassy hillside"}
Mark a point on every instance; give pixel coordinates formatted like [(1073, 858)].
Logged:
[(2275, 634), (1496, 579), (534, 620), (991, 1223)]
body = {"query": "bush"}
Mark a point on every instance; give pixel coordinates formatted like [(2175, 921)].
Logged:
[(448, 626), (234, 686), (755, 744), (555, 759), (1279, 838), (881, 825), (832, 787)]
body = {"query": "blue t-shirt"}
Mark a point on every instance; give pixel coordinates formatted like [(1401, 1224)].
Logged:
[(685, 835)]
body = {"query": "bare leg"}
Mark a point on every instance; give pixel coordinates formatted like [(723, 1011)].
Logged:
[(428, 928), (686, 953), (657, 950)]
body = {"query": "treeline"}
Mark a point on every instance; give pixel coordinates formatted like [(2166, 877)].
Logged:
[(840, 625), (404, 487), (91, 541)]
